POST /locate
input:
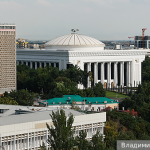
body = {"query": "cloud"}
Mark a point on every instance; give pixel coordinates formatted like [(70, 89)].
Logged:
[(107, 3), (45, 3), (9, 5)]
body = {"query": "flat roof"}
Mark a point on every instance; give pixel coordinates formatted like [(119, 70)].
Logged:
[(36, 116), (77, 98)]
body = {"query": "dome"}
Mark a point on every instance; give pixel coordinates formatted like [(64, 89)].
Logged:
[(75, 39)]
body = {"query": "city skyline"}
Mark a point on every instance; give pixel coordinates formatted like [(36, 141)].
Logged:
[(100, 19)]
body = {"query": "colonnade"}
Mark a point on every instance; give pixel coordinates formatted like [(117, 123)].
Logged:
[(122, 74), (33, 140), (37, 64)]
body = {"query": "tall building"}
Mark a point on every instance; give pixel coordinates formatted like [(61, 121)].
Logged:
[(8, 57), (139, 42)]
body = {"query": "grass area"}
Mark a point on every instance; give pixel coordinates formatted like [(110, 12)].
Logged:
[(115, 95)]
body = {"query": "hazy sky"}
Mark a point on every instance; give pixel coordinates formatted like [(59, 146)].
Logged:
[(100, 19)]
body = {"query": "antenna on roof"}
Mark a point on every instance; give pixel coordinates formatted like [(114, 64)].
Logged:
[(74, 30)]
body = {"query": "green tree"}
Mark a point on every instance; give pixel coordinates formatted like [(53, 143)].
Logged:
[(98, 90), (8, 100), (61, 135), (82, 143), (97, 142)]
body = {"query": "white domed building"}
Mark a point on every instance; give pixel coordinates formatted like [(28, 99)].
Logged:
[(111, 67)]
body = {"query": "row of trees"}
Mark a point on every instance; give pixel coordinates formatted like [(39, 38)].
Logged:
[(51, 82)]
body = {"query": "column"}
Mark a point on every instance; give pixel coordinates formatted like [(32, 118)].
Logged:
[(17, 62), (140, 70), (49, 64), (102, 73), (65, 65), (26, 63), (120, 73), (115, 74), (22, 62), (34, 141), (35, 65), (89, 70), (31, 64), (95, 72), (109, 74), (92, 129), (46, 139), (40, 63), (44, 64), (27, 140), (14, 146), (0, 143), (127, 75), (54, 64)]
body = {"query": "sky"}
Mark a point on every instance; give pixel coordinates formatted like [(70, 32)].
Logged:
[(100, 19)]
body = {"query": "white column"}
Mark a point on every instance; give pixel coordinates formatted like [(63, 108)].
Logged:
[(102, 73), (26, 63), (92, 129), (120, 73), (54, 64), (17, 62), (65, 65), (115, 74), (49, 64), (40, 64), (31, 64), (27, 140), (44, 64), (140, 70), (132, 73), (14, 146), (109, 74), (46, 139), (127, 75), (0, 143), (22, 62), (35, 65), (34, 141), (95, 72), (89, 70)]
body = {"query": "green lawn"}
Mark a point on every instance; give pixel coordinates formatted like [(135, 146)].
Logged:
[(114, 94)]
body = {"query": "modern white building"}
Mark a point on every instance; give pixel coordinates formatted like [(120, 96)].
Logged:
[(111, 67), (28, 131)]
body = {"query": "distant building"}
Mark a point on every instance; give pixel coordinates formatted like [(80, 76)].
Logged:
[(139, 42), (84, 103), (21, 43), (28, 130), (33, 46), (8, 57)]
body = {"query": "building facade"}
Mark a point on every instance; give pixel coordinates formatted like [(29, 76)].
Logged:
[(8, 57), (29, 131), (83, 103), (139, 42), (111, 67)]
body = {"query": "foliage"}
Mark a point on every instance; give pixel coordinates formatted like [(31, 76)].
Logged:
[(97, 142), (22, 97), (8, 100), (61, 135), (98, 90), (82, 143), (43, 147)]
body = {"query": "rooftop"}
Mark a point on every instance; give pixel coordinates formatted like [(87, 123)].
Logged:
[(75, 39), (68, 99)]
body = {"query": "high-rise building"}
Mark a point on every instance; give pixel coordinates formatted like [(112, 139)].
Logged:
[(7, 57), (139, 42)]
